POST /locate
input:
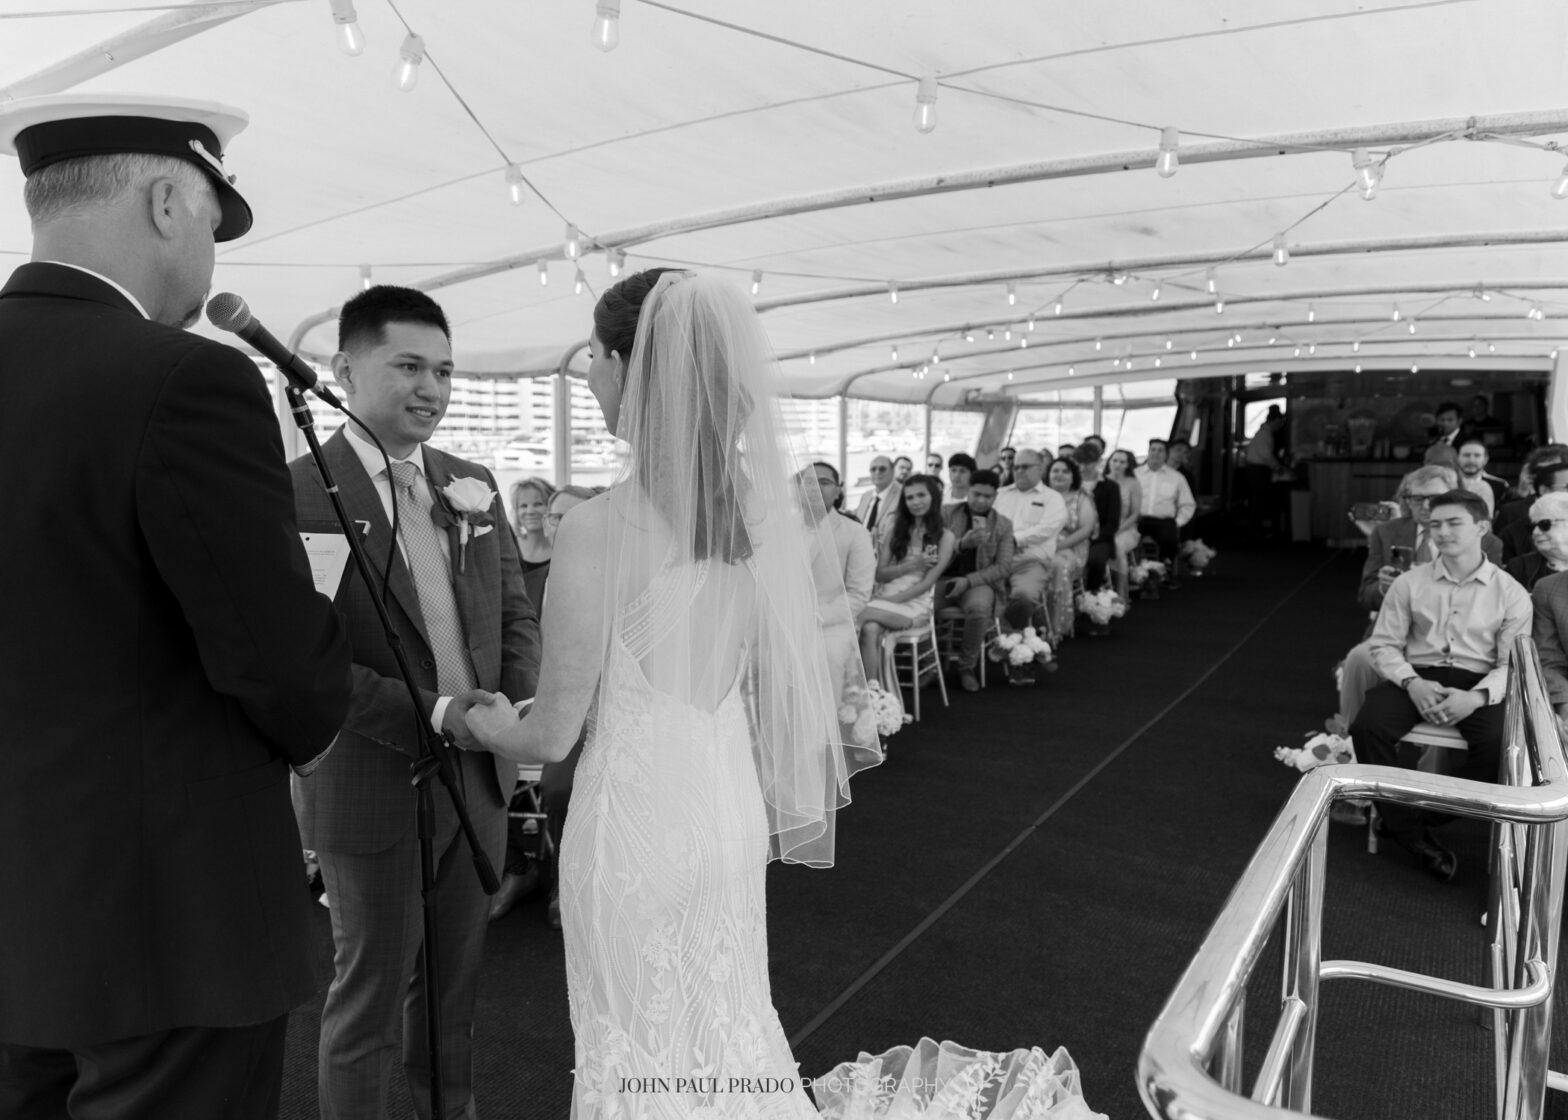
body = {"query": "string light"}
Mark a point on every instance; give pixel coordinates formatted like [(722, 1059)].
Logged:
[(1471, 351), (812, 357), (1116, 363), (936, 355), (1281, 254), (1491, 347), (579, 282), (1012, 295), (617, 262), (1170, 140), (544, 273), (1072, 371), (1219, 307), (1535, 312), (1118, 278), (1155, 295), (1156, 363), (607, 25), (1358, 367), (1398, 314), (1213, 283), (1370, 173), (1312, 314), (1023, 342), (925, 104), (1298, 352), (1355, 347), (1097, 344), (409, 56), (1482, 294), (1312, 348), (895, 353), (1169, 344), (364, 277), (1273, 338), (892, 290), (756, 282), (990, 336), (1231, 341), (1193, 355), (947, 377), (1056, 308), (1007, 335), (1030, 324), (514, 183), (969, 336), (351, 41), (1559, 188), (1415, 368), (1009, 375), (574, 242), (1412, 327)]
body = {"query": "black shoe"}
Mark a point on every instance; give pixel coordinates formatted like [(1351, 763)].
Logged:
[(515, 889), (1439, 862)]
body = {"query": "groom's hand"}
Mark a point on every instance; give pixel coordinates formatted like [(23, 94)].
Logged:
[(488, 718), (455, 722)]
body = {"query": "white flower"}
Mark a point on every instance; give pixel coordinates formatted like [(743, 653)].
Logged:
[(659, 948), (468, 495)]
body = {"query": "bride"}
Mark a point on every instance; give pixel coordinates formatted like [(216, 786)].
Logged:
[(682, 626)]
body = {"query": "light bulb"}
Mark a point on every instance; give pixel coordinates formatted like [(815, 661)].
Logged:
[(925, 104), (756, 282), (1155, 295), (409, 56), (812, 357), (1355, 347), (1273, 338), (1415, 368), (1412, 326), (1358, 367), (1193, 355), (1482, 294), (1369, 173), (892, 290), (1118, 278), (1009, 375), (1212, 282), (364, 277), (1072, 371), (1281, 254), (1007, 335), (1170, 139), (969, 336), (1030, 324), (574, 242), (514, 184), (1398, 314), (351, 41), (894, 351), (1312, 314), (1012, 295), (1056, 308), (1219, 307), (1298, 352), (947, 377), (1023, 342), (1098, 343), (1312, 348), (607, 25), (579, 282), (990, 336), (1157, 363), (544, 273), (617, 262), (1560, 188), (1471, 351), (936, 355), (1231, 341), (1491, 347), (1116, 363), (1169, 345)]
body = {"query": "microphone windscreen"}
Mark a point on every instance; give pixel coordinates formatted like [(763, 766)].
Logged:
[(228, 312)]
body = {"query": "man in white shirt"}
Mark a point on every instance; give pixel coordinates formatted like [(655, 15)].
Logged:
[(880, 503), (1038, 514), (1473, 458), (1167, 501)]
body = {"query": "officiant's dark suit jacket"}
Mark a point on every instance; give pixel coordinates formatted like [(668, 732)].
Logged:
[(360, 801), (166, 657)]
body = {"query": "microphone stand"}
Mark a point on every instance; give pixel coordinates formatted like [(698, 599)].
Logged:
[(434, 761)]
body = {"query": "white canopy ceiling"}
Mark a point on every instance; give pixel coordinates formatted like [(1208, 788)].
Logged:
[(758, 136)]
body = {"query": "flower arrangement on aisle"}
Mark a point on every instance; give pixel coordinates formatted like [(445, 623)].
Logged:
[(882, 705), (1198, 555), (1101, 606), (1020, 647), (1144, 570), (1325, 748)]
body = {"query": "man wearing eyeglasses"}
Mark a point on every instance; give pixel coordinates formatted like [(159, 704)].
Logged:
[(1442, 642), (879, 505)]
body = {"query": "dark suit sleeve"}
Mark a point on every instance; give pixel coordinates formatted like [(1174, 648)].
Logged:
[(1368, 594), (1550, 599), (520, 643), (216, 509)]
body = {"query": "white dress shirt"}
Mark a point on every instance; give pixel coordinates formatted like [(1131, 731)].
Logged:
[(370, 456), (1166, 494), (121, 288), (1037, 516), (1479, 486), (886, 510)]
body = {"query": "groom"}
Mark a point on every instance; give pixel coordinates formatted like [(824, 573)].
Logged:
[(465, 622)]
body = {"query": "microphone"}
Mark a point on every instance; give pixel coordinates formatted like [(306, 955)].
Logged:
[(228, 312)]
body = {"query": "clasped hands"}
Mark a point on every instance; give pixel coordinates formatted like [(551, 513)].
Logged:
[(476, 719), (1442, 705)]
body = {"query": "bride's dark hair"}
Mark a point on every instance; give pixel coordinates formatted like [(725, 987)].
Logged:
[(615, 315)]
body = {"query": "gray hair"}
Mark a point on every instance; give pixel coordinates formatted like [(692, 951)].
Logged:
[(1553, 505), (1432, 472), (73, 187)]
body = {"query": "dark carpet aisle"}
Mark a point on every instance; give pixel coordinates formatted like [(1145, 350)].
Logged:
[(1090, 827)]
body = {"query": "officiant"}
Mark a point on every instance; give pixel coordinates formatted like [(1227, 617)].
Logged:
[(167, 657)]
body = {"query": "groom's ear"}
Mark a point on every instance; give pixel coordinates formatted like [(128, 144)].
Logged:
[(343, 371)]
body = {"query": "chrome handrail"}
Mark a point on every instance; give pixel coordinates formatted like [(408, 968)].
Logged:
[(1190, 1067)]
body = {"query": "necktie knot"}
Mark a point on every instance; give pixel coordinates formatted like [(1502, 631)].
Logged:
[(403, 474)]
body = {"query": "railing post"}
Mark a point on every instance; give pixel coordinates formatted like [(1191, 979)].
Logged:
[(1302, 958), (1227, 1065)]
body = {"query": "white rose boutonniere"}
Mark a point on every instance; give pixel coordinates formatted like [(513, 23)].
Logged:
[(465, 503)]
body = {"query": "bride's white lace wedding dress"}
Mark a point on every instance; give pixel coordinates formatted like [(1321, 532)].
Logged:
[(662, 879)]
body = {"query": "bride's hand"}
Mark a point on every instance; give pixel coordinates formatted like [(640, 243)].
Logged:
[(491, 719)]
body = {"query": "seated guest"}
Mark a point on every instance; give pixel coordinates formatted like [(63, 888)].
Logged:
[(1038, 514), (1447, 429), (1167, 502), (1442, 643), (1122, 469), (1393, 548), (841, 557), (1479, 420), (1004, 466), (1550, 630), (530, 504), (1517, 508), (976, 579), (903, 467), (912, 556), (1473, 458), (934, 466), (1065, 451), (1549, 522), (878, 503), (1442, 454), (1108, 515), (1072, 544), (959, 469), (1550, 477)]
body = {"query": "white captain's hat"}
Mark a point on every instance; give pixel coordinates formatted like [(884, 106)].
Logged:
[(45, 130)]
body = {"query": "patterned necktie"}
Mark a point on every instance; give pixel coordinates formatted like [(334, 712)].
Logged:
[(1423, 551), (433, 581)]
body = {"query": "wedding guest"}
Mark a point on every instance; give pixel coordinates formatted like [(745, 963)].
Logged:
[(976, 579), (1447, 427), (1072, 544), (1549, 628), (1473, 475), (1442, 643), (913, 555), (1550, 477), (841, 557), (1122, 469), (555, 778), (1107, 514), (1479, 420), (1065, 451), (934, 466), (903, 467), (1038, 514), (167, 657), (463, 614), (879, 504), (1167, 503), (1549, 525), (1523, 492), (530, 503), (1004, 469), (960, 468)]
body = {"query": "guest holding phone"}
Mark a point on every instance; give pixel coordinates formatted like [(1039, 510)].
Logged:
[(915, 552)]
